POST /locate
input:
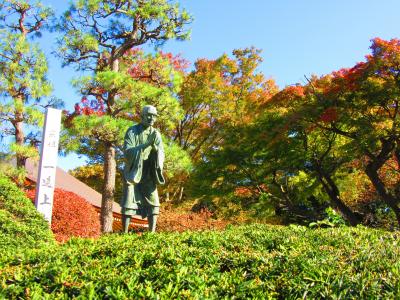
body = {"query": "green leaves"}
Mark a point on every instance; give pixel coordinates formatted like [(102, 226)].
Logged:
[(92, 28), (21, 226), (23, 69), (249, 262), (103, 128), (178, 161)]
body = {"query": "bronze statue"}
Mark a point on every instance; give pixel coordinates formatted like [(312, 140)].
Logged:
[(144, 158)]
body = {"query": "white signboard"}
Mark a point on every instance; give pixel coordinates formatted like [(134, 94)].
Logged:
[(48, 163)]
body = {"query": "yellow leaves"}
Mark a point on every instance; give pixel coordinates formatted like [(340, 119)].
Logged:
[(88, 171), (375, 81), (384, 125), (217, 182), (231, 167), (24, 150)]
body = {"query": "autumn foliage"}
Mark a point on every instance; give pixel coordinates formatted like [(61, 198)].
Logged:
[(172, 220), (73, 216)]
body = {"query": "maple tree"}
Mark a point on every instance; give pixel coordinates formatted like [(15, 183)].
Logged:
[(363, 105), (218, 92), (23, 69), (323, 155), (226, 91), (357, 108), (318, 129), (98, 36), (272, 168)]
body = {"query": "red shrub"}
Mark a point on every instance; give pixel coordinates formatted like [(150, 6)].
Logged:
[(72, 216)]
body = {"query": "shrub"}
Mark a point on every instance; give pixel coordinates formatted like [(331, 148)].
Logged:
[(171, 220), (21, 226), (245, 262), (72, 216)]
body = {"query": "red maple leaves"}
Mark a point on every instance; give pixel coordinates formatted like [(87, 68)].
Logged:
[(72, 216), (92, 107)]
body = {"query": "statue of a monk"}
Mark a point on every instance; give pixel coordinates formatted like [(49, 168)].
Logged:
[(144, 158)]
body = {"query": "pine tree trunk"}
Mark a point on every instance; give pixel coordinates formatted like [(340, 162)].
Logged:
[(110, 169), (107, 199), (19, 140)]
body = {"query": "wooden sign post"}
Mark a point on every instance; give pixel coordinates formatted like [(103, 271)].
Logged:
[(48, 163)]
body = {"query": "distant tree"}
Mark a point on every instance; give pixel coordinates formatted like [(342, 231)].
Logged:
[(218, 94), (92, 175), (23, 69), (224, 91), (99, 36), (321, 155)]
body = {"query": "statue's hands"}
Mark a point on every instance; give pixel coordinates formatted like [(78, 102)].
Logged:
[(151, 140), (155, 138)]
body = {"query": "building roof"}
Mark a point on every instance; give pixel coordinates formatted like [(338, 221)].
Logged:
[(69, 183)]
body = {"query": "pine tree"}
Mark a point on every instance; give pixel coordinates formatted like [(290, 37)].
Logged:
[(98, 37), (23, 69)]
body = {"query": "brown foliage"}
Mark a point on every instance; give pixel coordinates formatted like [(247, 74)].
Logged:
[(171, 220)]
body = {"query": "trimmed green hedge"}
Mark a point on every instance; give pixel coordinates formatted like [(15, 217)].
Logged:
[(245, 262), (21, 226)]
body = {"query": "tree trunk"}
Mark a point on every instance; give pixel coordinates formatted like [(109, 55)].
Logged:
[(167, 196), (20, 140), (332, 190), (397, 157), (180, 194), (372, 172), (110, 169), (107, 199)]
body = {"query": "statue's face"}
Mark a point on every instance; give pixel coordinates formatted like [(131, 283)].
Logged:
[(148, 119)]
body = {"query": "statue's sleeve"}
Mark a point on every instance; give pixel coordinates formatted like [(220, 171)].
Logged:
[(159, 160), (131, 145), (132, 153)]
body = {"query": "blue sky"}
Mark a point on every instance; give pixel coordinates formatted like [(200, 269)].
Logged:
[(298, 38)]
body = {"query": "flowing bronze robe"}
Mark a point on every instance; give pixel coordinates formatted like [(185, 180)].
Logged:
[(142, 172)]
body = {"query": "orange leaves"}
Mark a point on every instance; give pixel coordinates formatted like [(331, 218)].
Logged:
[(171, 220), (288, 94), (224, 92), (243, 192), (384, 62), (385, 50), (296, 91)]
